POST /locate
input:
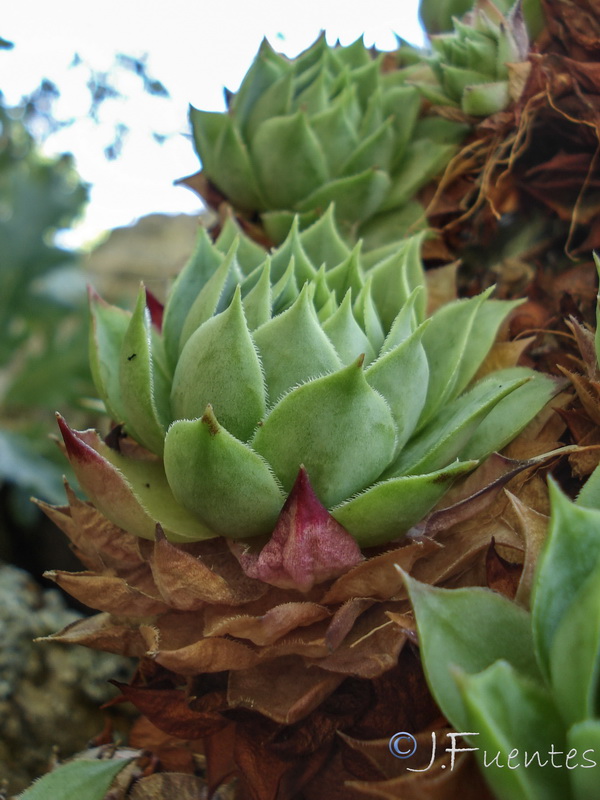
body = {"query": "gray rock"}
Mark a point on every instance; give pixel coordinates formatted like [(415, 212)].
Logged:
[(49, 693)]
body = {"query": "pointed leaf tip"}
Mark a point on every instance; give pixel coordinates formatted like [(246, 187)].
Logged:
[(211, 422), (307, 546), (156, 309), (76, 447)]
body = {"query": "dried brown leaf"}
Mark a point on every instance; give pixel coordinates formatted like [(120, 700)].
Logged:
[(441, 286), (186, 582), (343, 620), (502, 574), (588, 393), (207, 655), (533, 528), (97, 542), (370, 649), (284, 689), (503, 355), (107, 593), (377, 577), (102, 632), (169, 710), (266, 628)]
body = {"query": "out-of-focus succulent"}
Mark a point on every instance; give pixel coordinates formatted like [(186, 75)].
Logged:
[(266, 366), (470, 67), (437, 17), (525, 685), (328, 126)]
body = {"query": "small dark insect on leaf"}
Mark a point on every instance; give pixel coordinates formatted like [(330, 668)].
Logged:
[(147, 485), (131, 357)]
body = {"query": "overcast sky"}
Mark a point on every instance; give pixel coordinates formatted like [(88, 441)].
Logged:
[(195, 48)]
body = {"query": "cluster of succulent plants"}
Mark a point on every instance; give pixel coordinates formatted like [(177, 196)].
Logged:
[(312, 408)]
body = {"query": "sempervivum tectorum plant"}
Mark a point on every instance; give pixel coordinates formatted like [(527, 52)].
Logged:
[(438, 17), (471, 67), (328, 126), (260, 370), (280, 420)]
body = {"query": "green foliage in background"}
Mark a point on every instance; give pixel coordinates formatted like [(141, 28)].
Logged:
[(43, 360)]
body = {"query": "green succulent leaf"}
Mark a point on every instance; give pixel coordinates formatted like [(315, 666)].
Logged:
[(456, 79), (209, 298), (584, 738), (518, 727), (337, 427), (469, 628), (107, 330), (448, 435), (367, 316), (508, 418), (356, 197), (277, 224), (395, 278), (191, 280), (571, 555), (322, 241), (286, 365), (447, 342), (132, 494), (423, 160), (404, 104), (292, 248), (575, 654), (226, 156), (589, 496), (219, 366), (489, 316), (84, 777), (387, 510), (287, 146), (249, 254), (485, 99), (401, 375), (405, 323), (266, 69), (375, 151), (346, 335), (347, 275), (220, 479), (335, 129), (276, 101), (144, 389), (258, 301)]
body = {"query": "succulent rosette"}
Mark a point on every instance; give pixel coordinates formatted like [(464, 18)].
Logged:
[(328, 126), (260, 370), (438, 16), (471, 67)]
